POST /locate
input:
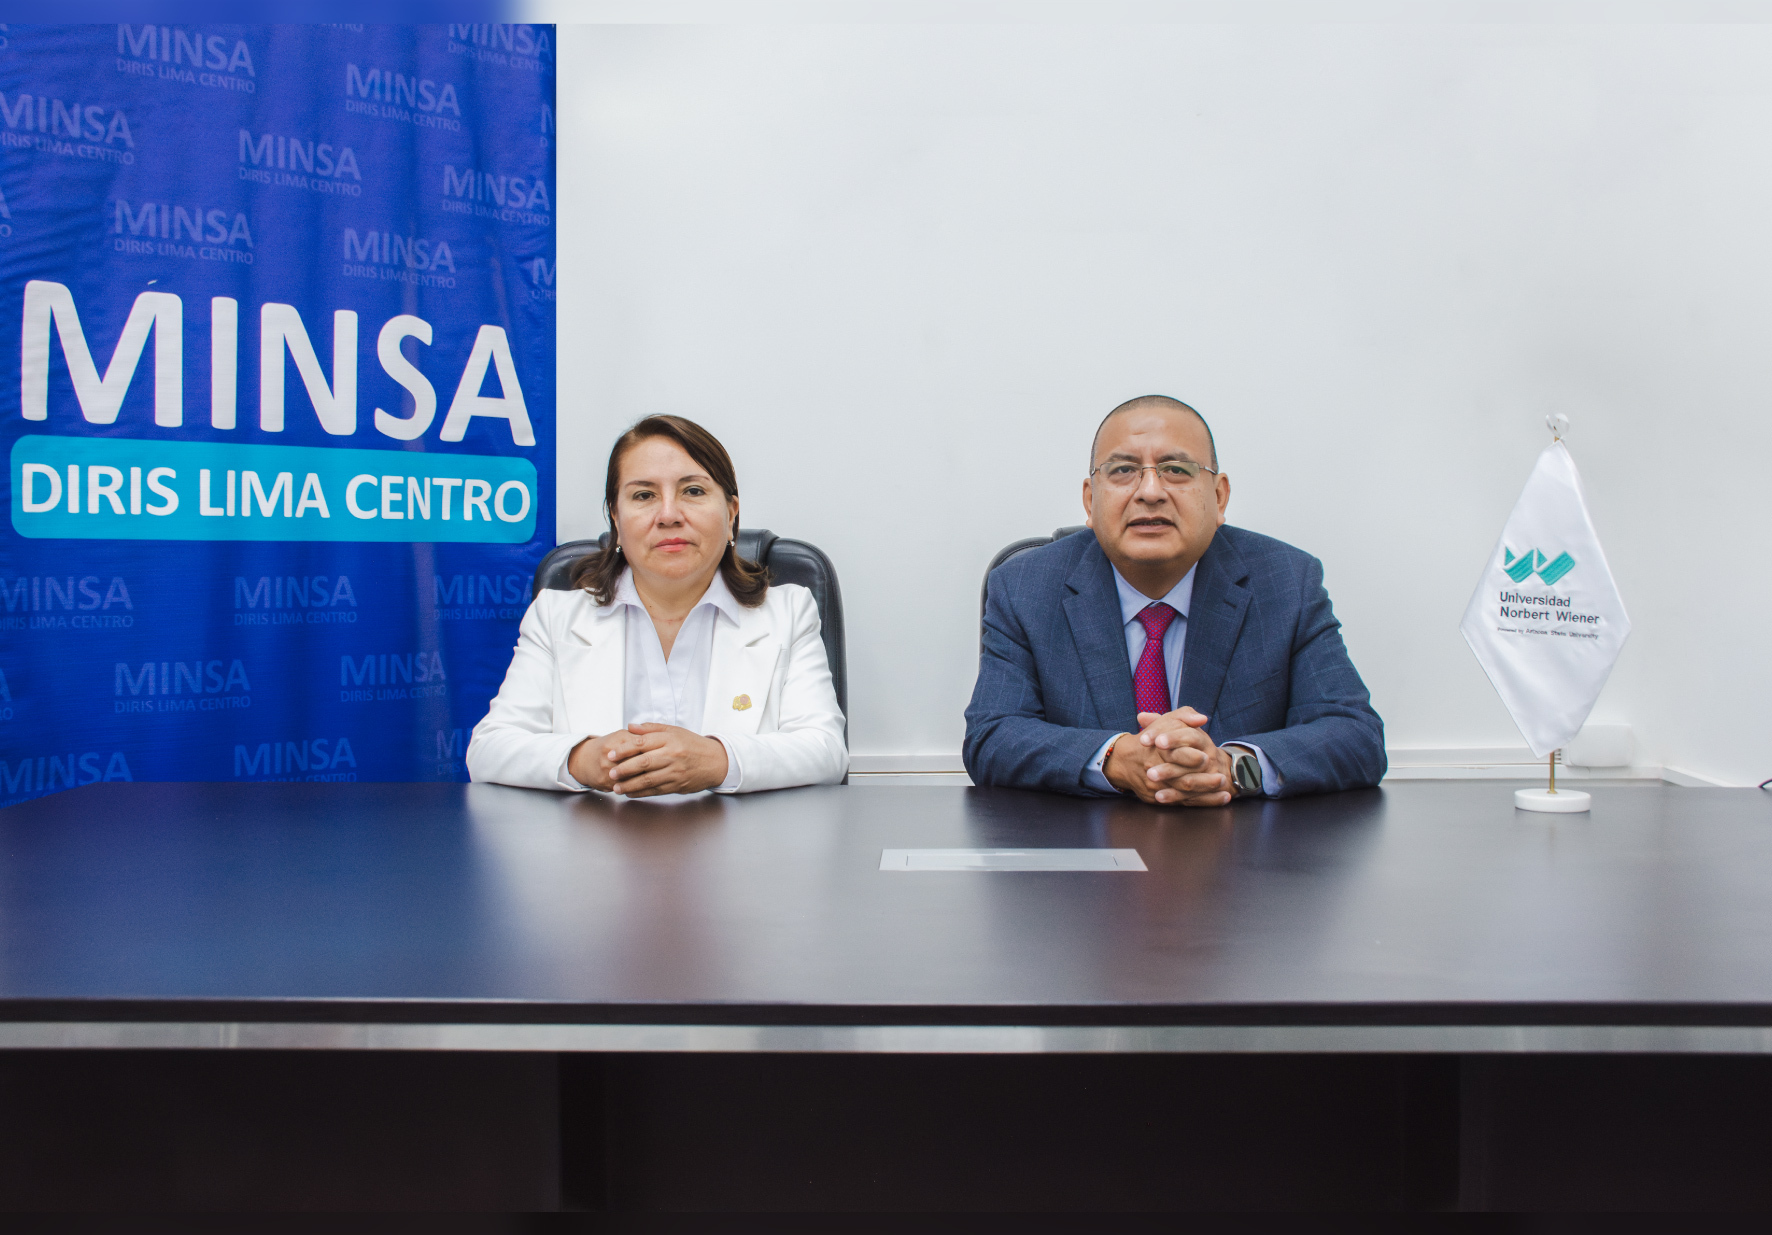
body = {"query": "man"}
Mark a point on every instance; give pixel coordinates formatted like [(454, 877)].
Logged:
[(1167, 655)]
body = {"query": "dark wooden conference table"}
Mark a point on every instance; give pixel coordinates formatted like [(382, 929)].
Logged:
[(272, 996)]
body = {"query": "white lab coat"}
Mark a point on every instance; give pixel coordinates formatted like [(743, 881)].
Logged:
[(566, 679)]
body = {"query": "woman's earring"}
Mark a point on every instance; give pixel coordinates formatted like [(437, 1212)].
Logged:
[(618, 549)]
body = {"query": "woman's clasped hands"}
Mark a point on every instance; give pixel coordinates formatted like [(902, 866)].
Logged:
[(645, 760)]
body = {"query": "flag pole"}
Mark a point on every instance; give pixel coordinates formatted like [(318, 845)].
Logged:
[(1554, 800)]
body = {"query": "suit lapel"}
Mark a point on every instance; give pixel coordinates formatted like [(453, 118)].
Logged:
[(741, 672), (593, 664), (1093, 611), (1215, 618)]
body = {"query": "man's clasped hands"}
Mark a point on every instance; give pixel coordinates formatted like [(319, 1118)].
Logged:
[(1171, 760)]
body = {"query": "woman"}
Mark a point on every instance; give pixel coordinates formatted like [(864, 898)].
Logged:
[(673, 666)]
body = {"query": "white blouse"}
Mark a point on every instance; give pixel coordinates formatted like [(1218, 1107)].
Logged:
[(657, 691)]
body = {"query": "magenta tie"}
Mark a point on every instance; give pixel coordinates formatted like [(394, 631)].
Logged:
[(1150, 683)]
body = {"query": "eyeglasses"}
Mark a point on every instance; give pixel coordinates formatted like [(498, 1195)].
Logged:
[(1174, 473)]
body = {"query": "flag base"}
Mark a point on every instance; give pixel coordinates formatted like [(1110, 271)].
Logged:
[(1562, 802)]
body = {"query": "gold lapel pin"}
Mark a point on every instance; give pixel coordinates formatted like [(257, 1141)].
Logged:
[(741, 702)]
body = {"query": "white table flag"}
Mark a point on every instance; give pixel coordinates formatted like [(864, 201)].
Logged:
[(1546, 621)]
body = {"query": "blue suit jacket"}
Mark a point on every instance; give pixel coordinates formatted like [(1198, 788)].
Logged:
[(1263, 658)]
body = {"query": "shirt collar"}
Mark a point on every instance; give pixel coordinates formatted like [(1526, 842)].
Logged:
[(1132, 601), (718, 595)]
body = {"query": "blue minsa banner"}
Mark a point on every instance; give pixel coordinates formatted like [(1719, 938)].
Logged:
[(280, 434)]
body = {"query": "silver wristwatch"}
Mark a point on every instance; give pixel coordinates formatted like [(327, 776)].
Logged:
[(1246, 772)]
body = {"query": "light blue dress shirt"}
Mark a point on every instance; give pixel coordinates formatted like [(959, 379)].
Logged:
[(1132, 603)]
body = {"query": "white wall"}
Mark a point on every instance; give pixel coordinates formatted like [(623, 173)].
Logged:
[(901, 270)]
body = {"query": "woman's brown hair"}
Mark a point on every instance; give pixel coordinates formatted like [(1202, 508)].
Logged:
[(599, 572)]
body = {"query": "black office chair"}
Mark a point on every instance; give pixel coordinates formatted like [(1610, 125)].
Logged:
[(788, 561), (1020, 546)]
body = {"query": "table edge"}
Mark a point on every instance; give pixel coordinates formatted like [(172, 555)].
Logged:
[(1027, 1039)]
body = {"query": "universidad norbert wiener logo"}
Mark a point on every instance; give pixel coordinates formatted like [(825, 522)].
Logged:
[(1521, 566)]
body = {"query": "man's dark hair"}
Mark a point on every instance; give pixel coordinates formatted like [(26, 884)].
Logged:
[(1144, 401)]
